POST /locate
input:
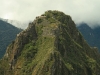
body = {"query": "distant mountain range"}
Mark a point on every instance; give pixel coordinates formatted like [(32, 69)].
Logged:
[(15, 23), (8, 33), (92, 36)]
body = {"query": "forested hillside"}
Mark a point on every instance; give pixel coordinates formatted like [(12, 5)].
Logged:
[(8, 33), (92, 36)]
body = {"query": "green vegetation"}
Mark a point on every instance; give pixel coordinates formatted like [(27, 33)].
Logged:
[(7, 34), (39, 29), (39, 20), (91, 35), (29, 51), (57, 48)]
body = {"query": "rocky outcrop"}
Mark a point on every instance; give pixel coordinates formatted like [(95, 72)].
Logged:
[(51, 45)]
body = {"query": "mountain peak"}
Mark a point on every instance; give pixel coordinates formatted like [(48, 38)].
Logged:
[(51, 45)]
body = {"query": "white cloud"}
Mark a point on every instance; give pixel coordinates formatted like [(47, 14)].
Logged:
[(26, 10)]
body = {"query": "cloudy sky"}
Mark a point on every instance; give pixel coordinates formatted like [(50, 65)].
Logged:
[(26, 10)]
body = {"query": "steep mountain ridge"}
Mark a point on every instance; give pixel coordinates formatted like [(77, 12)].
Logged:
[(51, 45), (8, 33)]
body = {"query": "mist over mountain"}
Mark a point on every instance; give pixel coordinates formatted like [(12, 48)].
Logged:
[(81, 10), (18, 24), (91, 35), (8, 33), (51, 45)]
